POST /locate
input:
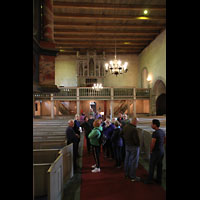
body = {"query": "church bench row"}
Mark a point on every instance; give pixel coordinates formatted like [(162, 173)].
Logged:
[(45, 144), (49, 137), (52, 168)]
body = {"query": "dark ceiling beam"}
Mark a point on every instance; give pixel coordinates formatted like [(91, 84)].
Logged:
[(111, 25), (101, 47), (89, 31), (106, 17), (68, 42), (107, 6), (89, 38)]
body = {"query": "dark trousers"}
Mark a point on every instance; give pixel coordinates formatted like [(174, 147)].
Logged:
[(117, 155), (75, 154), (156, 161), (88, 144), (96, 152), (108, 149)]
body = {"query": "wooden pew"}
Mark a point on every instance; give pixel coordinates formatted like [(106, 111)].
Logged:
[(48, 137), (50, 166), (68, 169), (44, 144), (48, 173)]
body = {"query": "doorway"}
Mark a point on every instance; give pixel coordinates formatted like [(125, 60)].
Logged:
[(161, 105), (93, 106)]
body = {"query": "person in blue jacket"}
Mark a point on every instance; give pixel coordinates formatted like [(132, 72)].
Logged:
[(108, 131), (117, 144), (94, 141)]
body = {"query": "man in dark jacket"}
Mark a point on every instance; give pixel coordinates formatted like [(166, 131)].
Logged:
[(72, 137), (132, 141)]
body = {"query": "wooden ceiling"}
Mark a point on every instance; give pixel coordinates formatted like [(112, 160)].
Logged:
[(80, 25)]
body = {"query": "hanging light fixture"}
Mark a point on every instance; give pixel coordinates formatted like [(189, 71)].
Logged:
[(115, 66), (97, 86)]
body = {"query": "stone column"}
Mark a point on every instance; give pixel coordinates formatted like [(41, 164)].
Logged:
[(52, 107), (134, 102), (111, 104)]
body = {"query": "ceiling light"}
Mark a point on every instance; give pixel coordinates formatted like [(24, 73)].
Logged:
[(115, 66), (145, 12), (97, 86), (143, 18)]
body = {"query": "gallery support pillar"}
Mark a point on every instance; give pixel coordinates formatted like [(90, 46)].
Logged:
[(77, 102), (111, 104), (52, 107), (134, 102)]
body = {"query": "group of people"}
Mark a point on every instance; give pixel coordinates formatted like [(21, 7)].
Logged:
[(119, 140)]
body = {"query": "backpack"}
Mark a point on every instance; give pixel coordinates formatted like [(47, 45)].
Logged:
[(102, 139)]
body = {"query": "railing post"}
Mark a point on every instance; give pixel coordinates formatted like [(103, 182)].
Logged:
[(52, 107), (111, 103), (134, 102), (77, 101)]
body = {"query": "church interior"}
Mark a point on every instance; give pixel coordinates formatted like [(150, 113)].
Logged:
[(102, 56)]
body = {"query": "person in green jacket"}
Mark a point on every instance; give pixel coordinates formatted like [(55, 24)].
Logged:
[(94, 140)]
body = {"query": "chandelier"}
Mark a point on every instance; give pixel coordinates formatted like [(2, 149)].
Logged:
[(97, 86), (115, 66)]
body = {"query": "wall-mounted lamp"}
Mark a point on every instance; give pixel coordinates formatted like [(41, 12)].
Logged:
[(149, 79)]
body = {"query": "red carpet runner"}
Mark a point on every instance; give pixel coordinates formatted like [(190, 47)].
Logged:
[(110, 183)]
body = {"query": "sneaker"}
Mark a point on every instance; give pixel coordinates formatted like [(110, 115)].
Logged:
[(93, 166), (96, 170)]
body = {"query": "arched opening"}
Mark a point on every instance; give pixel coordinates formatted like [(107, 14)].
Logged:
[(158, 103), (161, 105)]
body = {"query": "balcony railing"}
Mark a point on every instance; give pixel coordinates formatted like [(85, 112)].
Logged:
[(107, 93)]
